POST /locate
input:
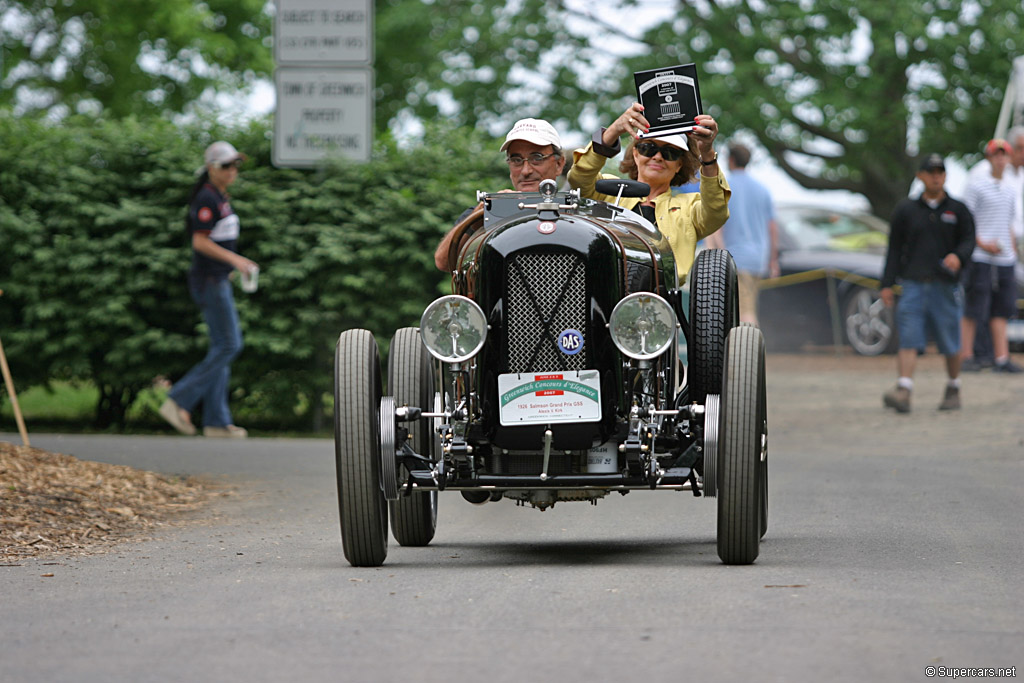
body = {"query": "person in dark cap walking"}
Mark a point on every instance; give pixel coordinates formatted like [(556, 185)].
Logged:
[(930, 240)]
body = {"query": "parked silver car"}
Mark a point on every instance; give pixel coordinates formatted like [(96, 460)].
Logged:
[(831, 261), (827, 293)]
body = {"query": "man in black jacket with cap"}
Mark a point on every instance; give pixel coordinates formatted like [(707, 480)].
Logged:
[(930, 239)]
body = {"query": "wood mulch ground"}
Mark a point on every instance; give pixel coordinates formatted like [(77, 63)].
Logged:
[(53, 504)]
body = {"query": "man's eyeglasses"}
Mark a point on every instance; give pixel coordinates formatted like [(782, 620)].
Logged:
[(535, 159), (668, 152), (237, 163)]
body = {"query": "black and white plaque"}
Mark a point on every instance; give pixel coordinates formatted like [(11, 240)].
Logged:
[(671, 99)]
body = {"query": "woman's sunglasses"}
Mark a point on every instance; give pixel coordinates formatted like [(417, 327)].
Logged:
[(237, 163), (668, 152)]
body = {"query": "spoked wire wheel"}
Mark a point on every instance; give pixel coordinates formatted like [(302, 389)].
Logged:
[(870, 324)]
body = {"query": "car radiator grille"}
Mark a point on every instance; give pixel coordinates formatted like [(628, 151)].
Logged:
[(547, 294)]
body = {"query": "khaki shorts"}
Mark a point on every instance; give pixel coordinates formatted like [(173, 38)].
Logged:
[(749, 285)]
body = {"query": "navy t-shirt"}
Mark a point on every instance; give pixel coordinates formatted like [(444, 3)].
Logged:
[(211, 214)]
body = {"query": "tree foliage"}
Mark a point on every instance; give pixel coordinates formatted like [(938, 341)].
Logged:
[(137, 58), (845, 95), (469, 61), (478, 62), (95, 254)]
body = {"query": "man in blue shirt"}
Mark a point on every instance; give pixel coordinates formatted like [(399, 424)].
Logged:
[(750, 234)]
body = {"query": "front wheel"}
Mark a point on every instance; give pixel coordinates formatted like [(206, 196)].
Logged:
[(743, 449), (411, 382), (361, 502)]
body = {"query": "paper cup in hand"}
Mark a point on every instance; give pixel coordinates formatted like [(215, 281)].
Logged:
[(251, 279)]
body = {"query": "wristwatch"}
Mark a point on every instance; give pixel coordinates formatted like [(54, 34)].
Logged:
[(708, 163)]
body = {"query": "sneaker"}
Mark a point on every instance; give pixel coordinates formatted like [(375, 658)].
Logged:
[(951, 399), (1007, 366), (897, 398), (174, 414), (971, 364), (226, 432)]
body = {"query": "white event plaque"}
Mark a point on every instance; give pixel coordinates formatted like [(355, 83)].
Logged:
[(549, 397)]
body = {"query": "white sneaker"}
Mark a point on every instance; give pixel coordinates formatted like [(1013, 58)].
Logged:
[(226, 432), (171, 411)]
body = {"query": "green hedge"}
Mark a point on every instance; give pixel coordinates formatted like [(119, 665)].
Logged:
[(93, 255)]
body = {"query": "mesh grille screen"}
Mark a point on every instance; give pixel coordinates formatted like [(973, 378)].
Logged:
[(547, 294)]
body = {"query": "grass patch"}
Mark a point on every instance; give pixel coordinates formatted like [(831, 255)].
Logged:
[(71, 407), (60, 401)]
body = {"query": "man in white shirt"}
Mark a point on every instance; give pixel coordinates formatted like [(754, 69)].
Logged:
[(1013, 175), (991, 289)]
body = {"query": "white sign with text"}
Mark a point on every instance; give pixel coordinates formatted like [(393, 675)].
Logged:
[(549, 397), (321, 112), (323, 32)]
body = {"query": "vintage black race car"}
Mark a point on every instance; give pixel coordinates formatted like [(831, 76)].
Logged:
[(552, 373)]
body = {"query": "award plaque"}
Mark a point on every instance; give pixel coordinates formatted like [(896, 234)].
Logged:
[(671, 99)]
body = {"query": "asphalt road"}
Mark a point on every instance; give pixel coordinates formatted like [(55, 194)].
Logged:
[(894, 545)]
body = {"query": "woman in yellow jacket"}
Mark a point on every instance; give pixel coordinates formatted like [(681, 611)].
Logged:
[(685, 217)]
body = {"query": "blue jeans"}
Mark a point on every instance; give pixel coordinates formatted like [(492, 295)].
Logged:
[(207, 381)]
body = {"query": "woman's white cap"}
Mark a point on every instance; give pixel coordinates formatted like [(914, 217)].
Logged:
[(222, 152), (674, 140)]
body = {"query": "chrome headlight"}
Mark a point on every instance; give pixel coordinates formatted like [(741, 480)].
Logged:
[(643, 325), (453, 328)]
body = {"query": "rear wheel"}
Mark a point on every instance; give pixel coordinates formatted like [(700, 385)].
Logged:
[(410, 381), (743, 449), (361, 503), (714, 310)]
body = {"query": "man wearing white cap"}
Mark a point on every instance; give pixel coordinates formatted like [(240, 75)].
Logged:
[(662, 162), (533, 152)]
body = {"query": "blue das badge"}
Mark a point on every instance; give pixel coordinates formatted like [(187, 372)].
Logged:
[(570, 342)]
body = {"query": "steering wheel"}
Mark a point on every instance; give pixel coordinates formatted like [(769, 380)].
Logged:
[(630, 188)]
